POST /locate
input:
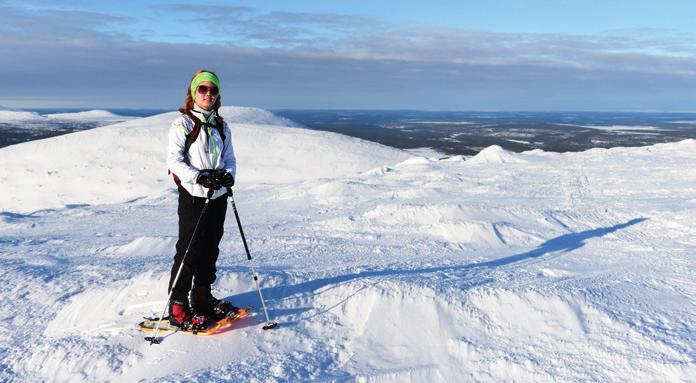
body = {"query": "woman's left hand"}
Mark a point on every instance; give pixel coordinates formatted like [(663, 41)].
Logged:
[(224, 178)]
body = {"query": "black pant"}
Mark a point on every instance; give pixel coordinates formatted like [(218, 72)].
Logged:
[(203, 253)]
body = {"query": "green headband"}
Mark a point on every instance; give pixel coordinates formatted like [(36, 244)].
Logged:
[(203, 77)]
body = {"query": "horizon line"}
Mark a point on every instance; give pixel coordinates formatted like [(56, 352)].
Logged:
[(371, 110)]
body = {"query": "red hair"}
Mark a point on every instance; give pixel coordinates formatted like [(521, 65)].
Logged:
[(189, 102)]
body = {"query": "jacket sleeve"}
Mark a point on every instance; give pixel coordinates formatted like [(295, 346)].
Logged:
[(175, 152), (230, 161)]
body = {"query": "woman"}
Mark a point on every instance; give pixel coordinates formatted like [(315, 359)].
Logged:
[(201, 158)]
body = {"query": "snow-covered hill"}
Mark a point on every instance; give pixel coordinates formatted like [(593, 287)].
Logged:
[(12, 116), (90, 115), (379, 266), (125, 161)]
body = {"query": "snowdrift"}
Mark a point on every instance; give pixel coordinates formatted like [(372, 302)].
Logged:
[(379, 267)]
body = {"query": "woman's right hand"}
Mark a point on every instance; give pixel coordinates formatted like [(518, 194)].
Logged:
[(206, 178)]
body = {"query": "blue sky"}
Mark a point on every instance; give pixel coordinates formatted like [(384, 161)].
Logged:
[(451, 55)]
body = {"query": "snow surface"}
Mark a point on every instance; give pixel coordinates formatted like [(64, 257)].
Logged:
[(125, 161), (90, 115), (13, 116), (97, 115), (379, 266), (613, 128)]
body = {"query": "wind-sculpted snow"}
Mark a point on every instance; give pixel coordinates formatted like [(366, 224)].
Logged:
[(523, 267)]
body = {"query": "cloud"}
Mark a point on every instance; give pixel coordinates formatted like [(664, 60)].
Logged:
[(284, 59), (360, 37), (251, 27), (653, 54)]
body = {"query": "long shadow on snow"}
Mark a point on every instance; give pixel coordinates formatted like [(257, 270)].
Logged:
[(559, 245)]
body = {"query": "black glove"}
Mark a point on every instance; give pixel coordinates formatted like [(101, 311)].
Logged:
[(224, 178), (206, 178)]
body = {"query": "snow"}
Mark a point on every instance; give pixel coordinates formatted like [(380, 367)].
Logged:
[(17, 116), (125, 161), (90, 115), (494, 154), (380, 266), (443, 122), (612, 128), (14, 116), (426, 152)]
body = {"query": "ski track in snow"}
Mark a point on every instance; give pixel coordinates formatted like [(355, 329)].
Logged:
[(526, 267)]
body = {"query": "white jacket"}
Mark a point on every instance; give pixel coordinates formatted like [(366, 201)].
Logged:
[(207, 152)]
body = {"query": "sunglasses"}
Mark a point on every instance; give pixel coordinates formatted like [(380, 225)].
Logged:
[(202, 89)]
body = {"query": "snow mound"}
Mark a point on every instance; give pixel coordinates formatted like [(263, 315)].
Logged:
[(454, 223), (249, 115), (448, 222), (101, 310), (101, 313), (416, 161), (75, 359), (142, 246), (90, 115), (486, 333), (280, 154), (495, 154), (12, 116)]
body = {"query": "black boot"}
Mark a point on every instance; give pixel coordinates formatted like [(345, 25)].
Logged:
[(203, 302), (200, 299), (224, 309)]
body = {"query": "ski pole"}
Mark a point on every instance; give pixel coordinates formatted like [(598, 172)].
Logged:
[(153, 339), (269, 325)]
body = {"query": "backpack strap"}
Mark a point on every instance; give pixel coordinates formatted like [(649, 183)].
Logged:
[(197, 123), (192, 135), (219, 125)]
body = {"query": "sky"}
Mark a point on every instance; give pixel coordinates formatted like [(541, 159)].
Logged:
[(444, 55)]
